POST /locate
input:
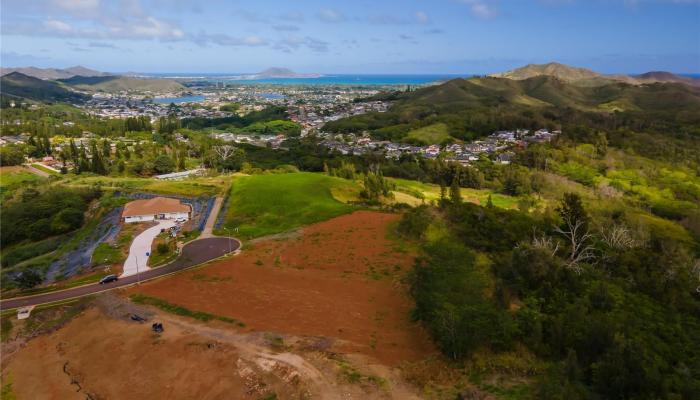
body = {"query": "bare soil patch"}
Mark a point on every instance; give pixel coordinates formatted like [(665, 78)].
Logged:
[(104, 354), (339, 279)]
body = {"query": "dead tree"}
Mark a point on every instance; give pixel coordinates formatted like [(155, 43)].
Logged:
[(576, 232), (618, 237), (224, 151)]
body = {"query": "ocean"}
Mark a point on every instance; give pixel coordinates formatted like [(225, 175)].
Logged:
[(335, 79)]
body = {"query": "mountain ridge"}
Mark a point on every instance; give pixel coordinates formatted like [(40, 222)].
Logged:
[(587, 77), (53, 73), (17, 85)]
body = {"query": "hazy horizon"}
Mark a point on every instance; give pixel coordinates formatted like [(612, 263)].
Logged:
[(391, 37)]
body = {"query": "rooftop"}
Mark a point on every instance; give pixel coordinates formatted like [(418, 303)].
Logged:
[(154, 206)]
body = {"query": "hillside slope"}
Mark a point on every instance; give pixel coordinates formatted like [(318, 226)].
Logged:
[(587, 77), (52, 73), (20, 86), (116, 83), (477, 106)]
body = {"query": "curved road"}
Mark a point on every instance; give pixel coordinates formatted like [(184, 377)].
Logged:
[(193, 253)]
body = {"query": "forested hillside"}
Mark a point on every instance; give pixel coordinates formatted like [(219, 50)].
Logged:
[(478, 106)]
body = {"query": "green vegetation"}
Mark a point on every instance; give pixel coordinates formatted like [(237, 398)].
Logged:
[(5, 328), (6, 391), (178, 310), (106, 253), (430, 192), (34, 214), (163, 250), (16, 85), (583, 288), (13, 180), (431, 134), (275, 127), (44, 169), (479, 106), (189, 187), (265, 204)]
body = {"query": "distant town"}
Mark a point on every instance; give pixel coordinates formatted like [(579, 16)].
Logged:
[(310, 106)]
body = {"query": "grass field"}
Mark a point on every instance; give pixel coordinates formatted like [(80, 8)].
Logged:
[(44, 169), (414, 189), (261, 205), (200, 186), (12, 178), (431, 134)]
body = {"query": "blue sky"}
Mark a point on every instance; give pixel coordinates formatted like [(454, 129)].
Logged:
[(358, 36)]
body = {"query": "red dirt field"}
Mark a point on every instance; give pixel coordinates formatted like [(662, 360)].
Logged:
[(339, 279)]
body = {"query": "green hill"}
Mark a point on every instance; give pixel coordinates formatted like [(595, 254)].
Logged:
[(266, 204), (116, 83), (561, 71), (19, 86), (477, 106), (586, 77)]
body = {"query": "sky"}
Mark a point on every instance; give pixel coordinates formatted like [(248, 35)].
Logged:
[(357, 36)]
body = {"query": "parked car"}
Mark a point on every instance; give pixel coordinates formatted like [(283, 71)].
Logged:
[(108, 279)]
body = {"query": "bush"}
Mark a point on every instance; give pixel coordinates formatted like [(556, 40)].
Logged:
[(162, 248), (28, 279)]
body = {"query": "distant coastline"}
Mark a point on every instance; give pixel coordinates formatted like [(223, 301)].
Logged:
[(331, 79)]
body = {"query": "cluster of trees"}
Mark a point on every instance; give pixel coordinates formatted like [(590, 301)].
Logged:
[(65, 120), (375, 187), (12, 154), (35, 214), (268, 114), (611, 309)]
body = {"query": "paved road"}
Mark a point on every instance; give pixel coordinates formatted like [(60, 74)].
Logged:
[(208, 230), (193, 253), (137, 260)]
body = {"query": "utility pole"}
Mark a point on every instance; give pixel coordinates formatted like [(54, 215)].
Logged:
[(229, 239), (138, 278)]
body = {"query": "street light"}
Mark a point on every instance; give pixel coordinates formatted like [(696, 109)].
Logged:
[(230, 248)]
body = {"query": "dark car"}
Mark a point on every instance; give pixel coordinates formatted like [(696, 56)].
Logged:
[(108, 279)]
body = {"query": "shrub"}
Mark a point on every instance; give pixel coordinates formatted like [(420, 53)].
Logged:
[(162, 248)]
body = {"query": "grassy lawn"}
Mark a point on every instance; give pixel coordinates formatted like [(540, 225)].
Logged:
[(43, 168), (430, 192), (108, 254), (266, 204)]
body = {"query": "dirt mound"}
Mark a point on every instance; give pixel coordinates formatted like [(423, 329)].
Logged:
[(338, 279)]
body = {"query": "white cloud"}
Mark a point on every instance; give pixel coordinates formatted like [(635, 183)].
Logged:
[(329, 15), (287, 28), (422, 17), (78, 7), (294, 42), (484, 9), (221, 39), (53, 25)]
